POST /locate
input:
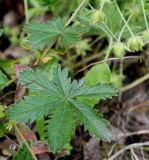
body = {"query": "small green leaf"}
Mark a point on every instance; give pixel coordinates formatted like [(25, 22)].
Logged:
[(3, 81), (40, 124), (99, 73), (117, 79), (7, 66), (44, 34), (2, 129), (23, 153)]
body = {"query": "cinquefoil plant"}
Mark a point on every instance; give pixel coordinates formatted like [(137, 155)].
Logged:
[(58, 98)]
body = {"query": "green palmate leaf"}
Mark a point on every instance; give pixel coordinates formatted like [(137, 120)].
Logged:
[(43, 34), (3, 81), (23, 153), (60, 129), (59, 96)]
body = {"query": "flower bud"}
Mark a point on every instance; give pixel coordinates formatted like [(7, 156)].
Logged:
[(96, 16), (145, 35), (134, 43), (119, 49)]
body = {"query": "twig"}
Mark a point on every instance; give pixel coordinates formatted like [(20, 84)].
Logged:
[(136, 133), (140, 105), (135, 83), (108, 60), (11, 92), (135, 145), (142, 153), (112, 148), (134, 155), (127, 135)]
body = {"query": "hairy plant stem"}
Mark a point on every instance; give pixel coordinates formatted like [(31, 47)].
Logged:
[(109, 49), (124, 19), (26, 11), (145, 18), (135, 83), (96, 40), (75, 13), (112, 34), (123, 28), (91, 6), (108, 60), (102, 5), (121, 74)]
